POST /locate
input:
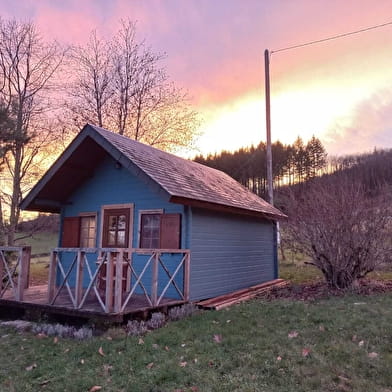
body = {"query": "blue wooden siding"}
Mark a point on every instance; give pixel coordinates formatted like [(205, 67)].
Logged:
[(229, 252), (112, 185)]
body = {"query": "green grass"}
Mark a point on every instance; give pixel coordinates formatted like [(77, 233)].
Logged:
[(41, 242), (253, 335)]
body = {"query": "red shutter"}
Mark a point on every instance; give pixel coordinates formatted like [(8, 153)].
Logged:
[(170, 231), (71, 232)]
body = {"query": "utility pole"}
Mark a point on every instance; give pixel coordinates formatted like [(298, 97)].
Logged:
[(268, 127)]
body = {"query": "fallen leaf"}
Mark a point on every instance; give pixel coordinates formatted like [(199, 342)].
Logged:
[(150, 365), (167, 348), (218, 338), (228, 321), (373, 355), (31, 367), (95, 388), (183, 364), (55, 339), (292, 334), (279, 358), (100, 351), (141, 341), (107, 369), (322, 328), (66, 350), (43, 383), (305, 352)]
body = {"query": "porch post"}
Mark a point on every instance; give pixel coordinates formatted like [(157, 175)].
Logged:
[(187, 273), (119, 282), (154, 283), (2, 261), (79, 277), (109, 283), (52, 276), (24, 267)]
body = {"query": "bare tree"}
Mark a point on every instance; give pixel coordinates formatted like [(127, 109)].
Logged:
[(345, 232), (90, 87), (121, 85), (27, 67)]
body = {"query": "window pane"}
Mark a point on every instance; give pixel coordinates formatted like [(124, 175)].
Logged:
[(121, 238), (113, 222), (87, 232), (122, 220), (112, 237), (150, 231)]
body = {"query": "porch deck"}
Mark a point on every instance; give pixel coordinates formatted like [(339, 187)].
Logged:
[(74, 288), (36, 299)]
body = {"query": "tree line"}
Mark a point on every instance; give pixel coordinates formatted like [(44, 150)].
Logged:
[(291, 163), (48, 91)]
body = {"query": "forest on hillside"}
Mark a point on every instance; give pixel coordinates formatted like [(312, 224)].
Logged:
[(291, 164), (296, 163)]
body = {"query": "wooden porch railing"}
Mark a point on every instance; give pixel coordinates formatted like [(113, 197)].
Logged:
[(14, 270), (112, 260)]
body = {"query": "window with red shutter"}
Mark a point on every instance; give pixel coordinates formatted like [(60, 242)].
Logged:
[(160, 231)]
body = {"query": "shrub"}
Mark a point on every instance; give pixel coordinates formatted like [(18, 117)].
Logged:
[(157, 320), (180, 312)]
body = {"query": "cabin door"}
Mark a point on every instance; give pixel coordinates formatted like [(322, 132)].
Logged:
[(116, 233)]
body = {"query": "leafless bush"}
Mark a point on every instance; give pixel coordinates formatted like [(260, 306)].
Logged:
[(345, 231), (180, 312)]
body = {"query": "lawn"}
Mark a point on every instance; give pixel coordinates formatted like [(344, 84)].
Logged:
[(338, 344)]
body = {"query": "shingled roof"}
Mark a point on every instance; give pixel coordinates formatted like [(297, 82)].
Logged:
[(183, 181)]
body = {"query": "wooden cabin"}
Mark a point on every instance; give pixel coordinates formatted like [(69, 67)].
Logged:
[(137, 222)]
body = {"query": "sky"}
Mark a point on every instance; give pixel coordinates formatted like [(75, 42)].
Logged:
[(340, 90)]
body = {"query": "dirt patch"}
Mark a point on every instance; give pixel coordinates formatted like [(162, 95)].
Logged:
[(319, 290)]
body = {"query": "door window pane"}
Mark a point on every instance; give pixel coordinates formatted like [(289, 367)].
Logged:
[(116, 228)]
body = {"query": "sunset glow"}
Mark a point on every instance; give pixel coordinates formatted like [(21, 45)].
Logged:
[(340, 90)]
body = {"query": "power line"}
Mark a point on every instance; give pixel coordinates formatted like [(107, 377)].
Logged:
[(332, 37)]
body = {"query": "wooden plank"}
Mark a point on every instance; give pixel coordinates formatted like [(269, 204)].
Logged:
[(241, 295), (109, 282), (2, 261), (24, 266), (79, 278), (240, 292), (52, 276), (154, 282), (187, 276), (119, 282)]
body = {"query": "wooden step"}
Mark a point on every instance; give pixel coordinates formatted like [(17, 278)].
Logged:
[(241, 295)]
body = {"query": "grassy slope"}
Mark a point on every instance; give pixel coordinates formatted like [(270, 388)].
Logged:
[(253, 336)]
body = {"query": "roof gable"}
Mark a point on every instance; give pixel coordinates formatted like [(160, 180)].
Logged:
[(181, 180)]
